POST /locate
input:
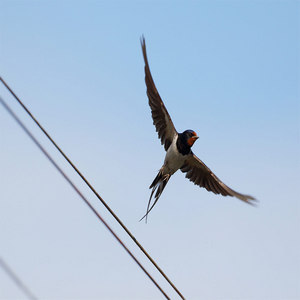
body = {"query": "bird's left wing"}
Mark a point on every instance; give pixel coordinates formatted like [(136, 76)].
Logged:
[(161, 118), (197, 172)]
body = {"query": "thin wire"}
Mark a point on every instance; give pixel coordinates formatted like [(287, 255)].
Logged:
[(17, 280), (93, 190), (78, 192)]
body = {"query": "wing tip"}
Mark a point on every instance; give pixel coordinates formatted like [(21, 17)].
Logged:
[(143, 45), (248, 199), (143, 41)]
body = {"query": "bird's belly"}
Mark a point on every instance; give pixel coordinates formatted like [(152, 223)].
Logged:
[(173, 160)]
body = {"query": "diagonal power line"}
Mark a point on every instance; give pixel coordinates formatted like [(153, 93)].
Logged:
[(17, 280), (79, 193), (92, 189)]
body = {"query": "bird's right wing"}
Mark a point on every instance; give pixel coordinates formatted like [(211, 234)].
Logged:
[(161, 118), (197, 172)]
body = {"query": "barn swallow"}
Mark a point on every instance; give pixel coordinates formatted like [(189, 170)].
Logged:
[(178, 147)]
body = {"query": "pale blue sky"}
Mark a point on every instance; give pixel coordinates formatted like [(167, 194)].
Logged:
[(228, 70)]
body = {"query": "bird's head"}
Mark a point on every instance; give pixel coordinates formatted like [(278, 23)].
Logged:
[(190, 137)]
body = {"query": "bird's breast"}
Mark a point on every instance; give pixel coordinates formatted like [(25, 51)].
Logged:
[(173, 160)]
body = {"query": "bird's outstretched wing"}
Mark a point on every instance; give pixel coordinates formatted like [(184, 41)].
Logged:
[(197, 172), (161, 118)]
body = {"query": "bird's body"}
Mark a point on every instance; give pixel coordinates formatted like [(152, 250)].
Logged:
[(174, 160), (178, 150)]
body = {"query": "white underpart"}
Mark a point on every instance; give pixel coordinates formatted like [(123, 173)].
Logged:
[(173, 160)]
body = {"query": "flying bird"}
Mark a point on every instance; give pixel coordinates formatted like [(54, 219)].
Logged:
[(178, 147)]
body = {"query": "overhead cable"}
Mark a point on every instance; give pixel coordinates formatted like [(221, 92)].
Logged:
[(93, 189), (16, 279), (15, 117)]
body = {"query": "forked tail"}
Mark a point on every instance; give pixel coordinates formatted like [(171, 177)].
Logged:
[(158, 185)]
